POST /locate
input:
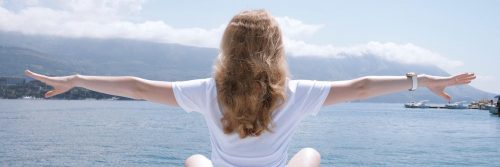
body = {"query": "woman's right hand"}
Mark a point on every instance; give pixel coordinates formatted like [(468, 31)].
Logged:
[(60, 84)]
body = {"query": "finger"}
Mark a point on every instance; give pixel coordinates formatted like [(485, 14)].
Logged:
[(471, 77), (36, 76), (464, 75), (467, 79), (463, 79), (53, 93), (460, 75), (444, 95)]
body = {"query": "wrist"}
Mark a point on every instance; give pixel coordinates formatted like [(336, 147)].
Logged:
[(75, 80), (423, 80)]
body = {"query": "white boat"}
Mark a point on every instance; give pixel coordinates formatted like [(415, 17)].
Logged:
[(488, 107), (28, 98), (457, 105), (420, 104)]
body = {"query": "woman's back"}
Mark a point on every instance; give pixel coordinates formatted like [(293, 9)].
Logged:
[(303, 97)]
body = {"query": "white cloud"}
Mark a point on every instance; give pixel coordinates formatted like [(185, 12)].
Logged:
[(403, 53), (102, 19), (109, 19), (294, 28)]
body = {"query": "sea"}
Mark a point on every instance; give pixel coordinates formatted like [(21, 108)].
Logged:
[(140, 133)]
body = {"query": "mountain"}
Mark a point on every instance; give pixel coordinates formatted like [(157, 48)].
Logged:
[(159, 61)]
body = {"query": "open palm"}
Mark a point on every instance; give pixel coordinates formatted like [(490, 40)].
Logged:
[(60, 84), (438, 84)]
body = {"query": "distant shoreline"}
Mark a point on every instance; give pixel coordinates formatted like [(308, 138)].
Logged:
[(21, 88), (89, 99)]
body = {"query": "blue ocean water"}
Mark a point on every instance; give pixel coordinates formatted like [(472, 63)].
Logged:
[(138, 133)]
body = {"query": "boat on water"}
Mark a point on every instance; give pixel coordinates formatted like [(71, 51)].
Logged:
[(28, 98), (457, 105), (493, 110), (488, 107), (420, 104), (474, 105)]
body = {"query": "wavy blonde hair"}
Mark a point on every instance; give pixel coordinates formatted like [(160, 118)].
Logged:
[(250, 73)]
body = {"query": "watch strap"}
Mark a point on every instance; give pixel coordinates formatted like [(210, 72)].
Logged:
[(413, 77), (414, 83)]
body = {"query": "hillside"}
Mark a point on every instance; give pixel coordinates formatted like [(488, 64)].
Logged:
[(62, 56)]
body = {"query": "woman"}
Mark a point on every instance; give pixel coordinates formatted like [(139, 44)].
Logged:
[(250, 106)]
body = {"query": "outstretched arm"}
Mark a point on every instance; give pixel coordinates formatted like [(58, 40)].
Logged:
[(370, 86), (126, 86)]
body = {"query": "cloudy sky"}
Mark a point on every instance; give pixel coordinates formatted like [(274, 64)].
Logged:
[(458, 36)]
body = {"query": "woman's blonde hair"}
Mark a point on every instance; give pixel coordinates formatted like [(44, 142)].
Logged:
[(251, 72)]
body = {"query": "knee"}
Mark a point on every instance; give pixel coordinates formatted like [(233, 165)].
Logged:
[(193, 160), (312, 153)]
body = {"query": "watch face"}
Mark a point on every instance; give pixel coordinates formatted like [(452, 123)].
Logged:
[(410, 74)]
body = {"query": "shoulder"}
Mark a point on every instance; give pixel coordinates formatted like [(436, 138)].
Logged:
[(193, 95), (195, 82), (308, 95), (194, 86), (307, 84)]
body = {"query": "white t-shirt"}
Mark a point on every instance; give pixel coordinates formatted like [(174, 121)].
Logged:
[(304, 97)]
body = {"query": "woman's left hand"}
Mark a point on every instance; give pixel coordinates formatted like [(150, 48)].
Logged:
[(438, 84)]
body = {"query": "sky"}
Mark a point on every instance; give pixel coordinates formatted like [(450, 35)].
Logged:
[(457, 36)]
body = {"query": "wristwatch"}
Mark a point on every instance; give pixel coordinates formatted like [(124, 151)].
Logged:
[(413, 77)]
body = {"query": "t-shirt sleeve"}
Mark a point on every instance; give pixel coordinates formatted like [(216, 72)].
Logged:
[(312, 94), (192, 95)]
